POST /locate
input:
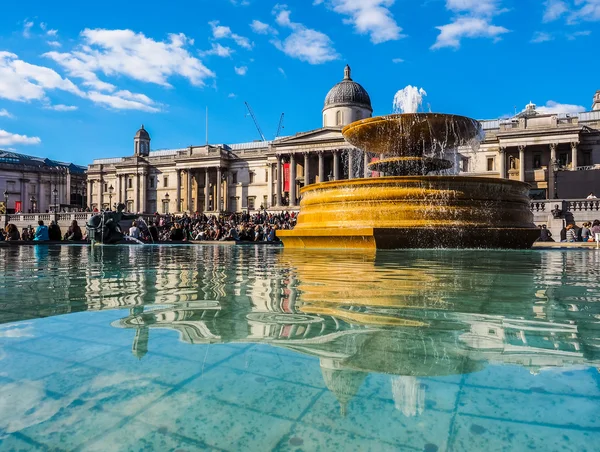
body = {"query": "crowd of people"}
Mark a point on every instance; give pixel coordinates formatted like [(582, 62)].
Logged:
[(573, 233), (257, 227)]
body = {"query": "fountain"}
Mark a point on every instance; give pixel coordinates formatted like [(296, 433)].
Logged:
[(407, 207)]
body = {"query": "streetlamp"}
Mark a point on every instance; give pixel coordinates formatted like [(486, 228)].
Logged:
[(110, 192), (6, 200), (32, 202), (166, 203), (556, 166), (55, 193)]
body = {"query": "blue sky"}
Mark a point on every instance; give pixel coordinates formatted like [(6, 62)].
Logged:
[(77, 80)]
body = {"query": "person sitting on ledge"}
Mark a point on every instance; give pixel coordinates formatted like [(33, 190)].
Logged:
[(176, 233), (74, 232), (54, 233), (41, 233), (545, 234), (571, 234), (591, 196), (12, 233)]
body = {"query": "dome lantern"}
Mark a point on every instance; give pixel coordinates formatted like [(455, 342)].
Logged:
[(346, 102)]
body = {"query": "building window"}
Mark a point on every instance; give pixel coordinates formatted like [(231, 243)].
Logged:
[(266, 175), (151, 181), (130, 183), (587, 158), (232, 204), (251, 176), (165, 206), (464, 164), (490, 164), (10, 185), (338, 118), (32, 189), (563, 159), (537, 161), (265, 201), (251, 202), (129, 206), (105, 187), (166, 181), (234, 177)]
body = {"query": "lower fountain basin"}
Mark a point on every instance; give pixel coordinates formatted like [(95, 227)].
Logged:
[(414, 212)]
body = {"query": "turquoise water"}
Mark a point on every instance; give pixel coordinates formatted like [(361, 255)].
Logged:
[(259, 348)]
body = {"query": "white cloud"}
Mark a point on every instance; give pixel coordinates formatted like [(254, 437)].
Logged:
[(397, 60), (223, 32), (27, 28), (9, 139), (239, 2), (552, 107), (21, 81), (371, 17), (124, 52), (282, 71), (575, 35), (52, 33), (541, 36), (53, 43), (124, 100), (5, 114), (232, 95), (589, 10), (476, 7), (466, 27), (262, 28), (43, 26), (61, 107), (554, 9), (303, 43), (218, 50), (241, 70)]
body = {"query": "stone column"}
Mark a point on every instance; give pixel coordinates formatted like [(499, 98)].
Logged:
[(178, 195), (198, 191), (321, 167), (502, 162), (292, 180), (219, 188), (306, 168), (366, 163), (522, 163), (136, 196), (551, 175), (574, 157), (143, 186), (279, 182), (100, 189), (269, 188), (188, 188), (350, 163), (89, 193), (336, 165), (206, 190)]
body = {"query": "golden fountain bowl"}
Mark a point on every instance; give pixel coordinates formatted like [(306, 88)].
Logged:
[(410, 134)]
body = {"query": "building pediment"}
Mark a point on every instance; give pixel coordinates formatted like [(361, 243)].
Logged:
[(323, 135)]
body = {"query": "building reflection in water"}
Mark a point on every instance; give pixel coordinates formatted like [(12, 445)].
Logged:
[(412, 314)]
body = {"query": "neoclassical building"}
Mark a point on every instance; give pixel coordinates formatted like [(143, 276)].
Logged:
[(269, 174), (35, 184)]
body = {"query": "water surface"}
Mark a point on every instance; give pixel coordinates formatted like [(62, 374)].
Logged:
[(259, 348)]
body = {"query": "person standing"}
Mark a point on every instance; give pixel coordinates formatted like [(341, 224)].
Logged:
[(41, 233)]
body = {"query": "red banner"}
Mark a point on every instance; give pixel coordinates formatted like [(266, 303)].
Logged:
[(374, 173), (286, 177), (18, 206)]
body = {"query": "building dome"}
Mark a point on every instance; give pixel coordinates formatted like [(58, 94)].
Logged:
[(348, 92), (142, 133)]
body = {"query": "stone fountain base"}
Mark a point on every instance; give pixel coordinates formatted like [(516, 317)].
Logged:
[(414, 212)]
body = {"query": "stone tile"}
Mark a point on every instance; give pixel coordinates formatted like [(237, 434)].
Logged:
[(265, 394), (160, 368), (138, 436), (17, 365), (575, 381), (65, 348), (286, 367), (306, 438), (61, 423), (478, 434), (205, 354), (380, 419), (218, 424), (530, 407)]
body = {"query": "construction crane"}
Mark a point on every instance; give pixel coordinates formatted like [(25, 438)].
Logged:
[(280, 126), (255, 121)]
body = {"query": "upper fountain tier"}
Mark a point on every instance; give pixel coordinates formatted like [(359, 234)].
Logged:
[(411, 134)]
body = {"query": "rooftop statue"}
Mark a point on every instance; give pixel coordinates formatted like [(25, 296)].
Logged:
[(105, 228)]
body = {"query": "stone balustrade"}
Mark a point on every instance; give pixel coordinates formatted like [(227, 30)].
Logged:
[(23, 220)]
